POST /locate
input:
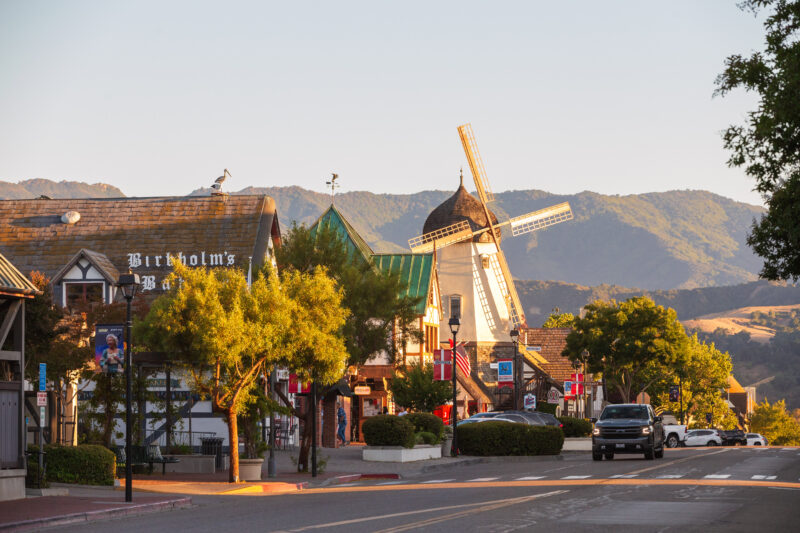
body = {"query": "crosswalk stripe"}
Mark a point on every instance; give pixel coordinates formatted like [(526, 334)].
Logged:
[(623, 476), (437, 481), (484, 479), (576, 477), (717, 476), (759, 476), (529, 478), (670, 476), (348, 484)]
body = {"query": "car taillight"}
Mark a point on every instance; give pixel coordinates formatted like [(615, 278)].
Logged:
[(561, 425)]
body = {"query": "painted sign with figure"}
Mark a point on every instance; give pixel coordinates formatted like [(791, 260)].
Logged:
[(505, 371), (109, 347), (530, 401)]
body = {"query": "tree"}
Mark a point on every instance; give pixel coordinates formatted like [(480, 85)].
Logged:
[(629, 342), (775, 423), (415, 387), (557, 319), (227, 334), (768, 146)]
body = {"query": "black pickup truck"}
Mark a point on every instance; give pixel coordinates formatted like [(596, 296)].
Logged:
[(627, 428), (732, 437)]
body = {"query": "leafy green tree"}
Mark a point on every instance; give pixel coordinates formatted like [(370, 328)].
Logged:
[(630, 343), (768, 145), (775, 423), (558, 319), (227, 334), (415, 388)]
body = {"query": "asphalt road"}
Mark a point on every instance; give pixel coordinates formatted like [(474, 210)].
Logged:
[(716, 489)]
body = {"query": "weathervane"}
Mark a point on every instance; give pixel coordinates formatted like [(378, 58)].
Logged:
[(333, 185)]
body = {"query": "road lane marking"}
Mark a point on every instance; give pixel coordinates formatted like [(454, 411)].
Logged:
[(484, 479), (717, 476), (437, 481), (576, 477), (529, 478), (481, 507), (676, 461), (623, 476), (761, 476), (670, 476), (349, 484), (391, 483)]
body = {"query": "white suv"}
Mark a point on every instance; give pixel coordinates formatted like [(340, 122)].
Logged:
[(703, 437), (755, 439)]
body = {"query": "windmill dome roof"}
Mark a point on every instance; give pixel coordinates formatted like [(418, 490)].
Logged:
[(461, 206)]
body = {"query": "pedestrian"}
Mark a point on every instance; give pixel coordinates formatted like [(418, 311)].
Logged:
[(385, 410), (341, 418)]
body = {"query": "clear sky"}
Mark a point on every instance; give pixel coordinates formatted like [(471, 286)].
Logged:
[(158, 97)]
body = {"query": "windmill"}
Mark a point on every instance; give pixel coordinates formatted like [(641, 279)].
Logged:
[(462, 231)]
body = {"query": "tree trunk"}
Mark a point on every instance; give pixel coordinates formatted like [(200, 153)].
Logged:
[(305, 442), (233, 438)]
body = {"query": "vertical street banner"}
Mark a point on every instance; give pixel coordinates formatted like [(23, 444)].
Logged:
[(298, 387), (109, 347), (442, 365), (505, 371)]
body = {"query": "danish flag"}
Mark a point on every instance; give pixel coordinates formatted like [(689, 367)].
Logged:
[(462, 359)]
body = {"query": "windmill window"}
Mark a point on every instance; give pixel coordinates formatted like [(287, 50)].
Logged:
[(455, 306), (485, 260)]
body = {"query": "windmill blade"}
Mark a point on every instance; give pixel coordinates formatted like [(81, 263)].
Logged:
[(475, 163), (460, 231), (540, 219), (507, 289)]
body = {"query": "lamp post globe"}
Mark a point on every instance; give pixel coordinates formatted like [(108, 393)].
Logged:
[(128, 283), (454, 324)]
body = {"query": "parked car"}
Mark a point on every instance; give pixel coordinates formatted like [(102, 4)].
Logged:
[(703, 437), (536, 418), (732, 437), (627, 428), (674, 435), (756, 439)]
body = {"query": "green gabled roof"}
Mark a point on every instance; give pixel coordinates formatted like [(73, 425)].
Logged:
[(352, 240), (415, 273)]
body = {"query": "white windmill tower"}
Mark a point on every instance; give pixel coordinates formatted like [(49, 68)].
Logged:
[(473, 274)]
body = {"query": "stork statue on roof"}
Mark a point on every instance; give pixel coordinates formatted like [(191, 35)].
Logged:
[(474, 277)]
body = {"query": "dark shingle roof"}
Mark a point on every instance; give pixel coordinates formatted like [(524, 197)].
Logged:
[(461, 206), (12, 280), (99, 261), (34, 238)]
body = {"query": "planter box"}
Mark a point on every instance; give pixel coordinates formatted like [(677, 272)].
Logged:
[(250, 469), (398, 454), (192, 464)]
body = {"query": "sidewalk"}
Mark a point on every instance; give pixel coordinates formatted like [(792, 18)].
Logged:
[(82, 505)]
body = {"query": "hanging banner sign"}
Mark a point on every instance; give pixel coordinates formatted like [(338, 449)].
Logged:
[(505, 371), (109, 347), (296, 387), (442, 365), (569, 393), (42, 376)]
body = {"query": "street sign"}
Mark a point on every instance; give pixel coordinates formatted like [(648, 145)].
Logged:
[(568, 392), (41, 399), (362, 390), (530, 401), (533, 348), (42, 376), (505, 371), (42, 419), (553, 396)]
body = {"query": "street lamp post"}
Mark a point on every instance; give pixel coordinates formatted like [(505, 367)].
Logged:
[(517, 381), (128, 284), (454, 323), (271, 464)]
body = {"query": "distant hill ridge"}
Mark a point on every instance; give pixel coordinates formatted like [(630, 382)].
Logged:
[(56, 189)]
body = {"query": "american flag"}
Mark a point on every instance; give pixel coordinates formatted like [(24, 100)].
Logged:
[(462, 360)]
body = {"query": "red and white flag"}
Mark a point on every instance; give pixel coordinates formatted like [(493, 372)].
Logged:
[(462, 359)]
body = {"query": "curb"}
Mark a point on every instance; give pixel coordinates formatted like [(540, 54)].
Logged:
[(355, 477), (90, 516), (262, 488)]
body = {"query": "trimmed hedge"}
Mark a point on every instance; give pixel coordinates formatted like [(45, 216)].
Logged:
[(507, 438), (86, 464), (427, 422), (388, 430), (547, 407), (575, 427), (426, 437)]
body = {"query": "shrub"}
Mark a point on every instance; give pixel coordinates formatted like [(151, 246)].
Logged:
[(507, 438), (426, 437), (575, 427), (388, 430), (86, 464), (547, 407), (427, 422)]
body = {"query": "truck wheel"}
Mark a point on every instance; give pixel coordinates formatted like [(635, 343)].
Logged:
[(672, 441), (659, 453), (597, 456), (609, 456), (649, 454)]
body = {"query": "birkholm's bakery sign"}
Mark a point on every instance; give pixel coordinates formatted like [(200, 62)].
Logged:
[(150, 262)]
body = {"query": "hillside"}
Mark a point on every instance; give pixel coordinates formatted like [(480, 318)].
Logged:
[(745, 319), (61, 189), (670, 240)]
